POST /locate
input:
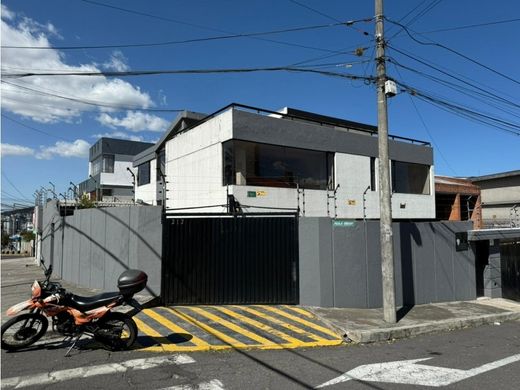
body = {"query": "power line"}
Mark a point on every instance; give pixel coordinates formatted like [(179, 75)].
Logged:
[(193, 40), (426, 128), (349, 24), (417, 16), (12, 185), (456, 78), (432, 43), (463, 111), (187, 71), (89, 102), (474, 94), (427, 9), (35, 129), (471, 26), (314, 10), (176, 21)]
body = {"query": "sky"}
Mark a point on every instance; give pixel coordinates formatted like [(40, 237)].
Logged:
[(49, 122)]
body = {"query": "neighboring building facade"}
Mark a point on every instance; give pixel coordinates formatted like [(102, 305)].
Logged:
[(500, 199), (457, 200), (109, 163), (243, 159)]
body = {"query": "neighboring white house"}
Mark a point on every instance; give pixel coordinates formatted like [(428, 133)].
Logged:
[(109, 163), (243, 159)]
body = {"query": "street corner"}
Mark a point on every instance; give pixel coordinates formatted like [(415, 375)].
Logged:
[(214, 328)]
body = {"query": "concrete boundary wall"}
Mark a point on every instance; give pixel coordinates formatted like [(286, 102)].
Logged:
[(94, 246), (340, 263)]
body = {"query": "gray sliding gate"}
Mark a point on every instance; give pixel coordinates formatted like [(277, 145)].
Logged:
[(230, 260)]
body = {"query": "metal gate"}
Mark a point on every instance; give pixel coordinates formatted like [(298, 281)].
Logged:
[(510, 265), (230, 260)]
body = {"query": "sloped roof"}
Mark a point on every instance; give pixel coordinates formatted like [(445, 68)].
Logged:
[(183, 120)]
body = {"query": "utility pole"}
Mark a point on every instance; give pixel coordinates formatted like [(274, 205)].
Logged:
[(385, 205)]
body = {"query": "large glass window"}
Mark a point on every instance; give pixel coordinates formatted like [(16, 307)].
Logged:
[(108, 163), (96, 166), (143, 174), (249, 163), (409, 178), (103, 164)]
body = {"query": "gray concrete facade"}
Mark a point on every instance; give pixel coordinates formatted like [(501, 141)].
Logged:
[(94, 246), (340, 263), (293, 133)]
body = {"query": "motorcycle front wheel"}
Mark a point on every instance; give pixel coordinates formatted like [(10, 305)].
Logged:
[(23, 330), (117, 331)]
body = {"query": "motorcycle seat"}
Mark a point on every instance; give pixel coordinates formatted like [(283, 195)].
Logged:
[(88, 303)]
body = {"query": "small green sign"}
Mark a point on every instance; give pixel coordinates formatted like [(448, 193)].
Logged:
[(251, 194), (343, 223)]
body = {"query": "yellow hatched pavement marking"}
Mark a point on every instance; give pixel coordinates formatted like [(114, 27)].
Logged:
[(300, 311), (259, 325), (282, 323), (233, 327), (227, 339), (149, 331), (177, 329), (301, 321)]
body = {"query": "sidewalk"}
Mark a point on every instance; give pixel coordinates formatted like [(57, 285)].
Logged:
[(367, 325)]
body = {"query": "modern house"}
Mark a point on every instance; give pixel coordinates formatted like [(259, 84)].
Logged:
[(109, 170), (500, 199), (248, 160)]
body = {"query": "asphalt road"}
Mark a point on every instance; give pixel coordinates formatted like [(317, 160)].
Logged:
[(288, 369)]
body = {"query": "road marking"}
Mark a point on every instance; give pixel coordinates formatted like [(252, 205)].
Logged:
[(282, 323), (409, 373), (224, 337), (259, 325), (214, 384), (301, 321), (177, 329), (248, 328), (230, 325), (48, 378), (301, 311)]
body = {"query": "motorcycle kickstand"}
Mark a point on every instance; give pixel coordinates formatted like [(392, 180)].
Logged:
[(73, 345)]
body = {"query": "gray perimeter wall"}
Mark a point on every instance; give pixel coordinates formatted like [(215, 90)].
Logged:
[(340, 266), (94, 246)]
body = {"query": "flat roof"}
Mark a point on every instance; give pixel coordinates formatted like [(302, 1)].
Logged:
[(495, 176)]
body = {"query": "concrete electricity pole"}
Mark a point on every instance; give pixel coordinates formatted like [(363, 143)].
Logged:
[(385, 206)]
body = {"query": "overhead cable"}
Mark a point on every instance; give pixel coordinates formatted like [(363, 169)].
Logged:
[(182, 22), (185, 71), (432, 43), (193, 40)]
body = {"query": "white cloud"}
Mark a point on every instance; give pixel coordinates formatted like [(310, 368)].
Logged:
[(78, 148), (16, 31), (121, 135), (6, 14), (16, 150), (117, 62), (134, 121)]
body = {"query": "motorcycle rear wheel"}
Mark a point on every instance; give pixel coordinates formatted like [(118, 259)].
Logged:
[(23, 330), (117, 331)]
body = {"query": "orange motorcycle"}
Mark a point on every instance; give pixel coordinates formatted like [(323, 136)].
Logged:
[(74, 315)]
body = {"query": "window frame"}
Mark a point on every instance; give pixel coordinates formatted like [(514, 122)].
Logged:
[(229, 168)]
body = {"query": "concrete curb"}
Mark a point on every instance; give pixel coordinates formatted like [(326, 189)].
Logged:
[(399, 332)]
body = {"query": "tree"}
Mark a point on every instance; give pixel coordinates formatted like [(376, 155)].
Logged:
[(27, 235), (5, 239), (85, 202)]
